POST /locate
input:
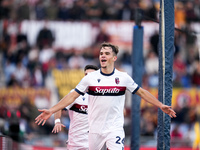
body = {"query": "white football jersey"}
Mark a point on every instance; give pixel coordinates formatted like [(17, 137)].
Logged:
[(106, 99), (78, 129)]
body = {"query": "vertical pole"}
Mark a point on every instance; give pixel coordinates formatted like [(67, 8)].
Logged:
[(137, 71), (166, 51)]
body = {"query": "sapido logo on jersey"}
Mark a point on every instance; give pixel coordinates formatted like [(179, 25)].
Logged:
[(106, 90)]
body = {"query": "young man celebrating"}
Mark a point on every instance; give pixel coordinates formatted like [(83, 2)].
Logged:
[(106, 88), (78, 129)]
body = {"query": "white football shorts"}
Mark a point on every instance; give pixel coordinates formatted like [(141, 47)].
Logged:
[(113, 140)]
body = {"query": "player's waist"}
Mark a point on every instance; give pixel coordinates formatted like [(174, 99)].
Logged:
[(100, 127)]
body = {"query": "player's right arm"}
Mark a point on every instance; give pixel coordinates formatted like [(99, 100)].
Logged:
[(144, 94), (58, 125), (65, 101)]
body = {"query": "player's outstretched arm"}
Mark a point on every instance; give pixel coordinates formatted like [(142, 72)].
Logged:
[(46, 113), (58, 125), (144, 94)]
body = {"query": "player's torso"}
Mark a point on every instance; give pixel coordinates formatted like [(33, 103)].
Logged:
[(106, 100)]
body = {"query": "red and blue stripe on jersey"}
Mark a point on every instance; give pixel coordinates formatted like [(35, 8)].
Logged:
[(79, 108)]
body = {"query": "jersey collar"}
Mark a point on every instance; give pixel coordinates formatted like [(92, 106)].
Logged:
[(107, 74)]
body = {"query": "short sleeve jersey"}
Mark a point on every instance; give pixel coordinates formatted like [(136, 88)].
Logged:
[(78, 130), (106, 99)]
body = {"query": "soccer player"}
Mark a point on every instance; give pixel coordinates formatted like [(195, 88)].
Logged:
[(78, 129), (106, 88)]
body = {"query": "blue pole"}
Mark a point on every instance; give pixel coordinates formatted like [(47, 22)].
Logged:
[(166, 51), (137, 72)]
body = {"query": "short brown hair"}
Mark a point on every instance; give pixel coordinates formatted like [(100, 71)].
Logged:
[(115, 48)]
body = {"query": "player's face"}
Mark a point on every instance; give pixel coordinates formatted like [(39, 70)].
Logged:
[(107, 57), (88, 71)]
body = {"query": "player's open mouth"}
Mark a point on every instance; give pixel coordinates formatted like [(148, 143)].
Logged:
[(103, 60)]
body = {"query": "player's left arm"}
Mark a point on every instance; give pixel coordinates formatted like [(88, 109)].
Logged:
[(65, 101), (144, 94)]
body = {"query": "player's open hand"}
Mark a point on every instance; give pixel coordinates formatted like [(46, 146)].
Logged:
[(57, 127), (42, 118), (168, 110)]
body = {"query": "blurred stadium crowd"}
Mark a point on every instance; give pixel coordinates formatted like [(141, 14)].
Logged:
[(18, 10), (24, 65)]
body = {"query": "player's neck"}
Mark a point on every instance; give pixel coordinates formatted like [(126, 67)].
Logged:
[(107, 70)]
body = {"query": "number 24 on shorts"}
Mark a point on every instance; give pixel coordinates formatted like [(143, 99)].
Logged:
[(119, 140)]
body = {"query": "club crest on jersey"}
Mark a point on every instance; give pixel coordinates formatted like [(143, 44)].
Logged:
[(117, 80), (98, 80)]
